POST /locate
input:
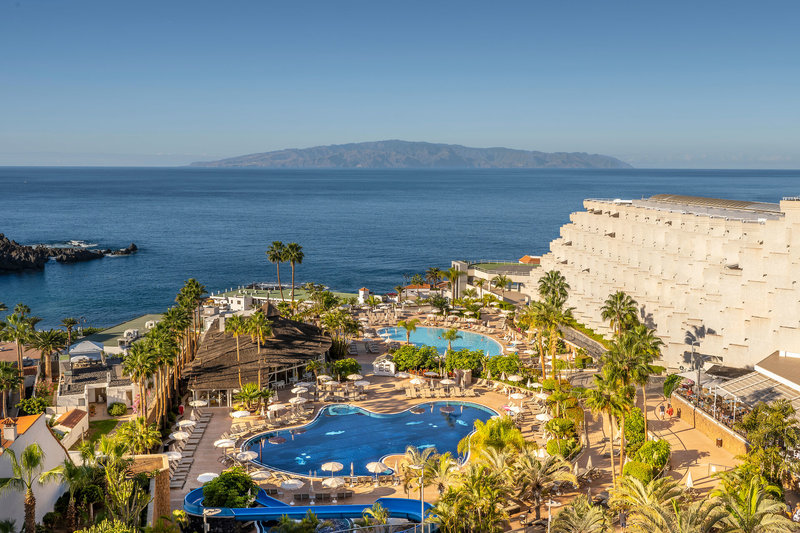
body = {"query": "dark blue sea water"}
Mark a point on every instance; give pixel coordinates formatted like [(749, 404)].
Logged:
[(357, 227)]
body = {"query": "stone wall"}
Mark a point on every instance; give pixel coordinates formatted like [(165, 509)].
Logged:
[(714, 430)]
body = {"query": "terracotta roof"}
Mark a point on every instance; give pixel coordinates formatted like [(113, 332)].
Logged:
[(363, 289), (418, 286), (529, 260), (23, 424), (72, 418)]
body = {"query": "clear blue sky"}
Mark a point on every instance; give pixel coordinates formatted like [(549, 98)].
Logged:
[(666, 84)]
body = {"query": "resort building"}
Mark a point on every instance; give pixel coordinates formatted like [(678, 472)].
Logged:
[(18, 434), (93, 384), (519, 273), (718, 279), (71, 426), (117, 339), (214, 373)]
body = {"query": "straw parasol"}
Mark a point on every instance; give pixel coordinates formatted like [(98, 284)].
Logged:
[(362, 383), (324, 377), (305, 384), (447, 381), (206, 477), (402, 375), (299, 390), (297, 400), (431, 374), (276, 407)]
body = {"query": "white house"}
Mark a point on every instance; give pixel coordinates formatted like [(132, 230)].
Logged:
[(72, 425), (93, 382), (363, 295), (17, 434), (86, 351)]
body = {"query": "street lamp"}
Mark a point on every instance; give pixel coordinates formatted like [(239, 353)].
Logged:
[(421, 469), (206, 513)]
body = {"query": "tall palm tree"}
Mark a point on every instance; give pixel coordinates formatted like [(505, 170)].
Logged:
[(9, 380), (410, 326), (452, 275), (703, 516), (450, 335), (25, 474), (276, 254), (502, 283), (19, 331), (295, 255), (442, 471), (139, 436), (48, 342), (632, 493), (432, 276), (260, 328), (399, 289), (580, 516), (76, 477), (750, 509), (480, 283), (536, 477), (140, 365), (620, 310), (553, 286), (647, 349), (69, 323), (603, 399), (236, 326)]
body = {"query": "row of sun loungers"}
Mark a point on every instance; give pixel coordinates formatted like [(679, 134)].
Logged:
[(179, 470), (455, 392), (323, 496)]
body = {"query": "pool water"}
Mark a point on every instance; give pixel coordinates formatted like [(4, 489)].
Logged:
[(433, 337), (346, 433)]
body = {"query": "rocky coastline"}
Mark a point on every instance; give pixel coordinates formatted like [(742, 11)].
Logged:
[(15, 257)]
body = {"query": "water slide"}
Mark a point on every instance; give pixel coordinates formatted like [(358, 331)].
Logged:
[(272, 509)]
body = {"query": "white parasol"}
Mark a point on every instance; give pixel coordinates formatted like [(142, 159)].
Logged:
[(542, 395), (517, 396), (291, 484), (332, 467), (299, 390), (179, 435), (689, 482), (447, 381), (276, 407), (240, 414), (198, 403), (246, 456), (355, 377), (174, 456), (333, 482), (224, 443), (417, 381), (543, 417), (324, 377), (297, 400), (515, 378), (261, 475), (362, 383), (535, 385), (206, 477), (402, 375), (431, 374), (186, 423), (305, 384)]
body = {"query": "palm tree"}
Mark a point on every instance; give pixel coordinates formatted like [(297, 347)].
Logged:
[(410, 326), (235, 325), (399, 289), (9, 380), (553, 286), (19, 330), (48, 342), (580, 516), (751, 509), (140, 365), (502, 283), (451, 335), (604, 400), (703, 516), (452, 275), (496, 433), (139, 436), (442, 471), (536, 477), (260, 328), (69, 323), (633, 494), (670, 384), (432, 276), (377, 514), (276, 254), (295, 255), (480, 283), (647, 349), (620, 310), (25, 472), (76, 478)]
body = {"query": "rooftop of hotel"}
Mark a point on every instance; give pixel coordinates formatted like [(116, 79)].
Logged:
[(712, 207), (109, 337)]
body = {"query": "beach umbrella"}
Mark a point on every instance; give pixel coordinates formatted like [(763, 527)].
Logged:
[(543, 417), (261, 475), (376, 467), (206, 477), (324, 377), (173, 456), (186, 423), (299, 390), (447, 381), (297, 400), (589, 463), (305, 384), (447, 409), (179, 435), (689, 482), (535, 385), (517, 396), (362, 383), (198, 403), (542, 396), (332, 467), (291, 484), (249, 455), (431, 374), (417, 381), (402, 375), (224, 443), (240, 414), (276, 440), (515, 378), (514, 409), (355, 377), (333, 482), (276, 407)]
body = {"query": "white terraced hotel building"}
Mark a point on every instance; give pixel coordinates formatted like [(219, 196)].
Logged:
[(720, 277)]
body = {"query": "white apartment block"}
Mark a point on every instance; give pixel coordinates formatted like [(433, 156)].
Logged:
[(721, 277)]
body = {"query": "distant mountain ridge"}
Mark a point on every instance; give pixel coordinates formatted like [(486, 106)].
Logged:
[(407, 154)]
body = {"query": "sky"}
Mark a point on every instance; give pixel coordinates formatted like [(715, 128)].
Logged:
[(679, 84)]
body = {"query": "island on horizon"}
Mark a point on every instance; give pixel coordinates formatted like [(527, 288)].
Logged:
[(408, 154)]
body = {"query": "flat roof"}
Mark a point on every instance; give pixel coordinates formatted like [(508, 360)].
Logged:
[(299, 294), (711, 207), (108, 337), (720, 203)]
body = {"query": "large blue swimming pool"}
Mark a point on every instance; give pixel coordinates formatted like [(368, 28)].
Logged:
[(345, 434), (433, 337)]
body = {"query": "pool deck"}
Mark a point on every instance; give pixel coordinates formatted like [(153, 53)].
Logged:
[(692, 451)]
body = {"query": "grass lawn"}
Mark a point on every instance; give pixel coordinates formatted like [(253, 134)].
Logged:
[(97, 428)]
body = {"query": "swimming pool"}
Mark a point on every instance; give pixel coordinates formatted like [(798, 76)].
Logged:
[(433, 337), (349, 434)]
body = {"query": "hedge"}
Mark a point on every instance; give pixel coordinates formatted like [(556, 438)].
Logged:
[(641, 471)]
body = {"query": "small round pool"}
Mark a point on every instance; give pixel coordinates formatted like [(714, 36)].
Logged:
[(349, 434), (433, 337)]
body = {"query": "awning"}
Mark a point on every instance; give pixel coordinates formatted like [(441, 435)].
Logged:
[(755, 387), (704, 377)]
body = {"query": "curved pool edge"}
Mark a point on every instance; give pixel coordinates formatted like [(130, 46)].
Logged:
[(498, 344), (246, 443)]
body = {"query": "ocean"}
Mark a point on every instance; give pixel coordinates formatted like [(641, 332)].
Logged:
[(357, 227)]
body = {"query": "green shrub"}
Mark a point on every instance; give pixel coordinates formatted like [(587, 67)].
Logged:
[(33, 406), (410, 357), (50, 519), (466, 360), (345, 367), (117, 409), (654, 453), (634, 430), (582, 361), (564, 447), (503, 363), (641, 471), (561, 428), (108, 526), (233, 488)]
